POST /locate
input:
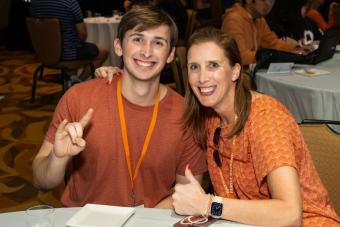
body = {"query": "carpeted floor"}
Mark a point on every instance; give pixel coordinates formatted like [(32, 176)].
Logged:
[(22, 128)]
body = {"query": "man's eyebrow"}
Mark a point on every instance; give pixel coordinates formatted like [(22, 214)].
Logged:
[(159, 37), (140, 35), (136, 34)]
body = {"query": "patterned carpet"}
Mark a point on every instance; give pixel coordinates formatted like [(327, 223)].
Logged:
[(22, 128)]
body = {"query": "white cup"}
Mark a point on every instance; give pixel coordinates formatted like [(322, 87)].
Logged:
[(40, 216)]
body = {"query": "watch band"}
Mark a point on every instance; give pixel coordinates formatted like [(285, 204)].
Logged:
[(216, 207)]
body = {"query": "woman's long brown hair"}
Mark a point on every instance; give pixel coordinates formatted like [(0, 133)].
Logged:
[(195, 114)]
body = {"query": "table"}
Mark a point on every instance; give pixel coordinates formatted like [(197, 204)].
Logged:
[(306, 97), (143, 217), (103, 31)]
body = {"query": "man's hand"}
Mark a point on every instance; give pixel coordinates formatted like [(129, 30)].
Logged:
[(190, 199), (107, 72), (69, 136)]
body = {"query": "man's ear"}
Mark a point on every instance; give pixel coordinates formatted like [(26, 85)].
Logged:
[(171, 55), (118, 47)]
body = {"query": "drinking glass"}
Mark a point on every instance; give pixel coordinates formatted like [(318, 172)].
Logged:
[(40, 216)]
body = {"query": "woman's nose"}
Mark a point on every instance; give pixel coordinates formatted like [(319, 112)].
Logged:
[(203, 76)]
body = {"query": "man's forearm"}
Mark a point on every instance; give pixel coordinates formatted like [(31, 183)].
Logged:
[(49, 171)]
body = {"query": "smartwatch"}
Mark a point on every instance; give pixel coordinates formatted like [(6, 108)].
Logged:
[(216, 207)]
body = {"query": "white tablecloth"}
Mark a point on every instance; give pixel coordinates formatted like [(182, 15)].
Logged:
[(143, 217), (103, 31), (306, 97)]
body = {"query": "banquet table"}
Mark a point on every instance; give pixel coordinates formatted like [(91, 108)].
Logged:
[(306, 97), (143, 217), (103, 31)]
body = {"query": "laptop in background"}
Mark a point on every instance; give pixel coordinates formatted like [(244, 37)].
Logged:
[(326, 50), (327, 45)]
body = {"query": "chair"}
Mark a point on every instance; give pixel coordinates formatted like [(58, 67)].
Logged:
[(192, 22), (337, 16), (324, 146), (179, 71), (337, 19), (216, 12), (46, 38)]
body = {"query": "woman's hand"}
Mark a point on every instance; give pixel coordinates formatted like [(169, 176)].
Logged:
[(107, 72), (190, 198)]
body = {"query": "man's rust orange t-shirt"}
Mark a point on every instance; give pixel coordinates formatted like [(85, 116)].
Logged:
[(100, 173), (269, 140)]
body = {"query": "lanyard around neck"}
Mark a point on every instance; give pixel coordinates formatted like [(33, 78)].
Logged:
[(134, 175)]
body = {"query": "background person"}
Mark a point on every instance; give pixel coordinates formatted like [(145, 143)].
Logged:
[(286, 20), (312, 13), (259, 164), (73, 31), (246, 24)]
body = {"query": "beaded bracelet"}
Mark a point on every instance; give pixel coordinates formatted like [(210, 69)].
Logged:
[(206, 213)]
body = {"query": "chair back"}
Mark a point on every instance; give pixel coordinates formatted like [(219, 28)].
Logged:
[(337, 16), (337, 19), (179, 71), (324, 146), (192, 21), (216, 12), (45, 34)]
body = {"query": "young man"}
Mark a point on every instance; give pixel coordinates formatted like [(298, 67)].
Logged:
[(125, 145), (247, 25)]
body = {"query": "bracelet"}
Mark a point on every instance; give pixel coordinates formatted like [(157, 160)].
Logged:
[(206, 213)]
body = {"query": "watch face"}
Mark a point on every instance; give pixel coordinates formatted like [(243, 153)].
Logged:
[(216, 209)]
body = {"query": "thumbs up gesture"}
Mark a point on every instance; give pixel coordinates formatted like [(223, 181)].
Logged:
[(69, 136), (190, 198)]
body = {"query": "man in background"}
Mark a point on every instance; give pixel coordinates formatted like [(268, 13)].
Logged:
[(73, 31), (246, 24)]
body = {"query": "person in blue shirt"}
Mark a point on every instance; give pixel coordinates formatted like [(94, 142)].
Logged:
[(73, 31)]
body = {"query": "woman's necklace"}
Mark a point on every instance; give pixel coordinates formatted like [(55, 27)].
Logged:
[(228, 191)]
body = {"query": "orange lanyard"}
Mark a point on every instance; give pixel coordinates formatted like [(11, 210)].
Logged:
[(134, 175)]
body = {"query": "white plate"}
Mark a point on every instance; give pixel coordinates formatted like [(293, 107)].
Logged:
[(318, 72), (93, 215)]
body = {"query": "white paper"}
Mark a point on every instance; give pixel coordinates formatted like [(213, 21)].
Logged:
[(283, 67), (93, 215)]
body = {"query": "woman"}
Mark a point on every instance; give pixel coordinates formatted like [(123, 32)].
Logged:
[(310, 10), (258, 162), (259, 165)]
